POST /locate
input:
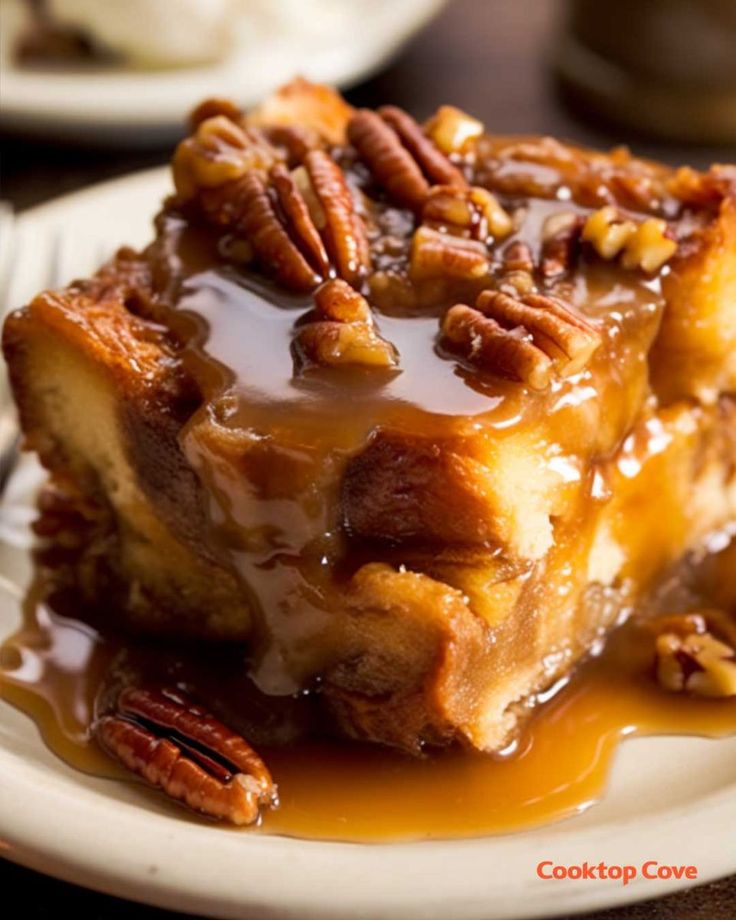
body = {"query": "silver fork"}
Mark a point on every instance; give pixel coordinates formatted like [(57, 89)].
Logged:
[(53, 269), (9, 438)]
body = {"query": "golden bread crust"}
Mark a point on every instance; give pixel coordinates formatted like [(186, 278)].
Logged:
[(427, 517)]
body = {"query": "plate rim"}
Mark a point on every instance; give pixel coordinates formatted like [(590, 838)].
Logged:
[(308, 893), (92, 117)]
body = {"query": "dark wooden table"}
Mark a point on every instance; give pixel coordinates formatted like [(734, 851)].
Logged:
[(491, 58)]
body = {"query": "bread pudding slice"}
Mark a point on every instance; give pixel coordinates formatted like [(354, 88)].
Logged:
[(411, 413)]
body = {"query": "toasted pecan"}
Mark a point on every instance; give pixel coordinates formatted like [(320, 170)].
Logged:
[(560, 243), (298, 215), (433, 163), (400, 156), (179, 747), (390, 163), (258, 220), (527, 338), (441, 255), (471, 211), (341, 332), (344, 231)]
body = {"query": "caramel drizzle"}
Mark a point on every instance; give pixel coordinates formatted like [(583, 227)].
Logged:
[(302, 226)]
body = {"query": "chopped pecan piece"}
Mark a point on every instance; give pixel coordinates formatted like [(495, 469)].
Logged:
[(646, 246), (212, 107), (452, 129), (517, 257), (527, 338), (690, 659), (295, 141), (517, 269), (472, 211), (220, 151), (516, 282), (704, 190), (342, 332), (441, 255), (560, 240), (608, 232), (300, 216), (400, 156), (307, 105), (336, 300), (650, 247), (298, 224), (179, 747)]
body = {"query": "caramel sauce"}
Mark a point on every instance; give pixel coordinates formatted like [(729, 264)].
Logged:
[(269, 448), (287, 541), (53, 667)]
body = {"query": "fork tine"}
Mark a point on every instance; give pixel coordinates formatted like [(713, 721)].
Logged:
[(7, 222), (49, 260), (9, 438), (58, 262)]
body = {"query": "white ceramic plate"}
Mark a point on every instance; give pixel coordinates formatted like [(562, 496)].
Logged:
[(670, 799), (147, 107)]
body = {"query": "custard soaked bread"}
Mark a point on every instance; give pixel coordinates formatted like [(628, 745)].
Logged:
[(412, 412)]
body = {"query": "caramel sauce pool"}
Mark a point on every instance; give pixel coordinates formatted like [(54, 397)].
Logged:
[(238, 339), (53, 666)]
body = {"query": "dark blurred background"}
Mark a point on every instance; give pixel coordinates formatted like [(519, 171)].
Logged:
[(490, 57)]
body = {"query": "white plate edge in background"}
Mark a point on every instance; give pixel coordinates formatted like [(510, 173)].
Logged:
[(146, 107)]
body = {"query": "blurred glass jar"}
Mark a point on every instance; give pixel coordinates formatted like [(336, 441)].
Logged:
[(663, 67)]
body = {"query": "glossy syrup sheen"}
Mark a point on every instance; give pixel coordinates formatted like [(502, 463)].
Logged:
[(52, 669), (283, 542), (271, 444)]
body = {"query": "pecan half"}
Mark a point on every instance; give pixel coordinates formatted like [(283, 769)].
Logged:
[(254, 215), (173, 744), (218, 152), (344, 230), (341, 331), (486, 343), (299, 224), (433, 163), (400, 156), (691, 659), (528, 338), (441, 255), (392, 166)]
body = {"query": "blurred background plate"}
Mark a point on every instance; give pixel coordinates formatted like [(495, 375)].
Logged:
[(148, 106)]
